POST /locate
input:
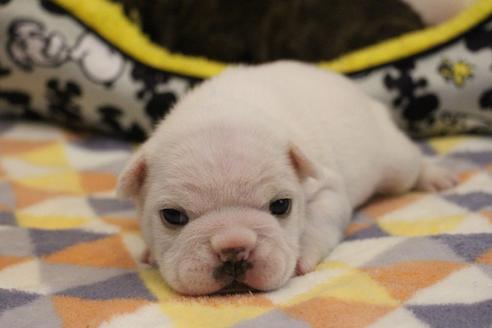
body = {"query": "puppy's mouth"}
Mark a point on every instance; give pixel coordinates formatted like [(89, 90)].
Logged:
[(235, 287), (233, 271)]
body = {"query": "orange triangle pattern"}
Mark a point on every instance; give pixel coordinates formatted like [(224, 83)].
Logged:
[(466, 175), (402, 280), (488, 214), (337, 313), (485, 258), (125, 223), (14, 146), (3, 174), (106, 252), (385, 205), (27, 196), (97, 181), (82, 313), (356, 227), (6, 261)]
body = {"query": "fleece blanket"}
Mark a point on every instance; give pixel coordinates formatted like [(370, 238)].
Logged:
[(69, 251)]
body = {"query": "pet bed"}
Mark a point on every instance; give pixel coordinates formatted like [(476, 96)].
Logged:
[(87, 63), (70, 253)]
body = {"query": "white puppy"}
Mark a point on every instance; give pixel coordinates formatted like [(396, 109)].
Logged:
[(259, 169)]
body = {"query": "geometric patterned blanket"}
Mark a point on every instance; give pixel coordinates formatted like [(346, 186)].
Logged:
[(69, 251)]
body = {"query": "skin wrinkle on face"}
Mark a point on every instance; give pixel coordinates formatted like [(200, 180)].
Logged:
[(217, 181)]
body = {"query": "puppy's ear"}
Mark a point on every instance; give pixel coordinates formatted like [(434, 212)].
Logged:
[(133, 177), (303, 166)]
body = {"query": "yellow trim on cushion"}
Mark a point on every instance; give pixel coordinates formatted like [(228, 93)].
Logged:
[(107, 19)]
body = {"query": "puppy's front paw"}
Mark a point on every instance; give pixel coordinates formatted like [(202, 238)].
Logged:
[(306, 264), (303, 268), (435, 178)]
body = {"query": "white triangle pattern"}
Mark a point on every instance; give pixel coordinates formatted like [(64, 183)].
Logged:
[(33, 132), (431, 206), (148, 316), (81, 159), (473, 223), (357, 252), (400, 318), (65, 206), (300, 285), (473, 145), (466, 286), (25, 276), (480, 182), (64, 276), (18, 169)]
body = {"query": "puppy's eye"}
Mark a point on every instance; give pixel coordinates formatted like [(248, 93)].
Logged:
[(280, 207), (173, 217)]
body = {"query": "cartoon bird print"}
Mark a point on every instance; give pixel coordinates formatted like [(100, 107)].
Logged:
[(457, 72)]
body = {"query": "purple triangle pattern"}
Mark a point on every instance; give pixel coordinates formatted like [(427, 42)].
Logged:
[(7, 218), (481, 158), (374, 231), (128, 285), (101, 143), (467, 246), (46, 241), (12, 298), (473, 201), (7, 196), (5, 126), (477, 315), (104, 206)]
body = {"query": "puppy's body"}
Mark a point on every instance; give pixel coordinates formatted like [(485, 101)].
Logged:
[(334, 123), (253, 135)]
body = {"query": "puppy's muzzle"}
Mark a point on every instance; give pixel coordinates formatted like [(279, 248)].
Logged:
[(232, 269), (233, 247)]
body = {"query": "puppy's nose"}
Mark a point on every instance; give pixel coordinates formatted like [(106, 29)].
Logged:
[(233, 244), (234, 254)]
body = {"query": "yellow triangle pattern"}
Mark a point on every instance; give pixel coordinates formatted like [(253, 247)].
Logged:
[(194, 314), (422, 226), (154, 282), (351, 286), (51, 155), (444, 145), (65, 181), (27, 220)]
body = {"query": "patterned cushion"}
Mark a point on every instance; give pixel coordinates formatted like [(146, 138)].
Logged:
[(83, 63), (69, 252)]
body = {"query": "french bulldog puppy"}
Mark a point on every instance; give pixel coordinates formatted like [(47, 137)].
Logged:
[(254, 175)]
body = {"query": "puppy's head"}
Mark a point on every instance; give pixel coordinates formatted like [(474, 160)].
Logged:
[(220, 206)]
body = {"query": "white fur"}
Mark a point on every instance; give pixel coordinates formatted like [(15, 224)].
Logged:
[(251, 135)]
